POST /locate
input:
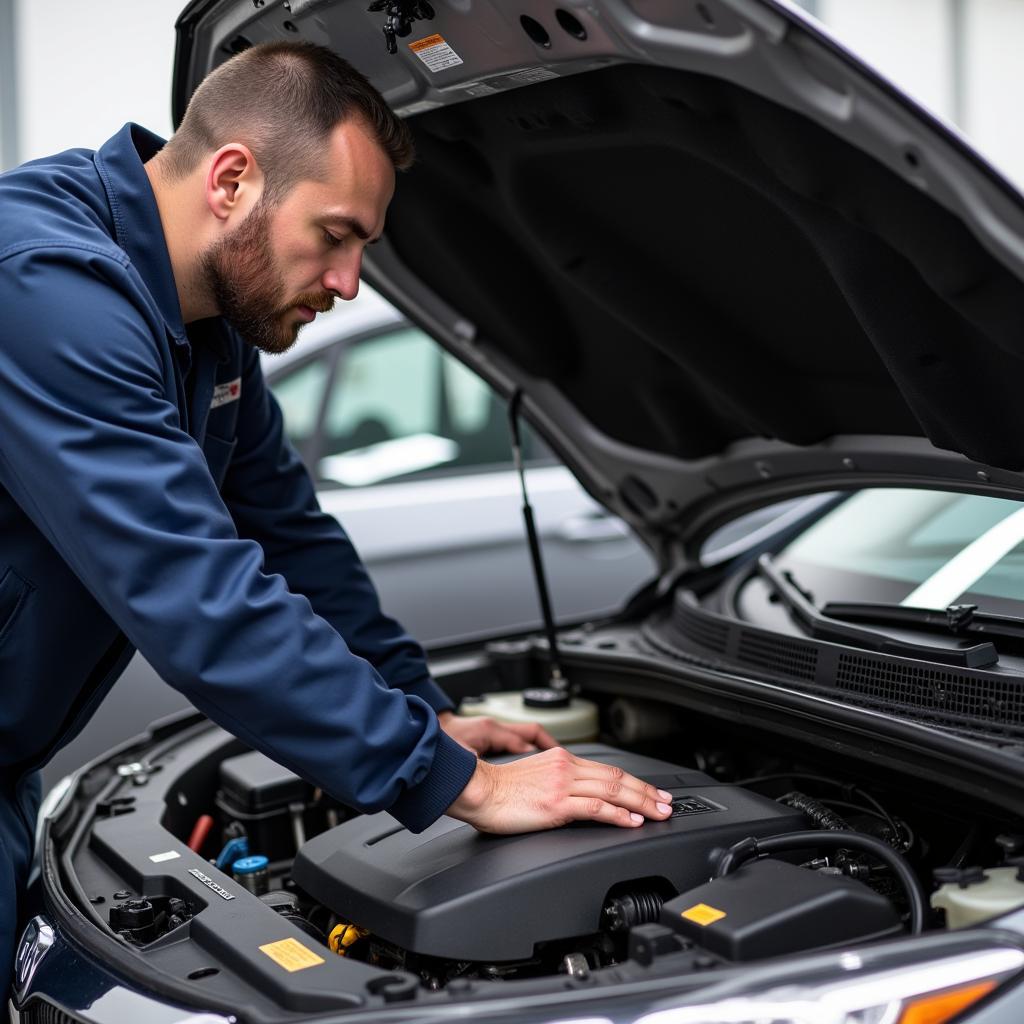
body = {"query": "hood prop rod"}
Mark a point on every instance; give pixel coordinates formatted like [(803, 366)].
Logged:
[(557, 693)]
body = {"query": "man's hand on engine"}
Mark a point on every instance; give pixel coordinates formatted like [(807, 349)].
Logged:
[(552, 789), (486, 736)]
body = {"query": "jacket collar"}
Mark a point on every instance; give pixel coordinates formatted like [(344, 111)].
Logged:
[(137, 226)]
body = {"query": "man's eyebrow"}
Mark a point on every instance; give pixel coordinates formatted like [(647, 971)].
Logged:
[(354, 226)]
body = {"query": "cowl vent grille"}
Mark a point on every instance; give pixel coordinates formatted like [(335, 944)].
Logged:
[(987, 702), (703, 629), (998, 700), (792, 657)]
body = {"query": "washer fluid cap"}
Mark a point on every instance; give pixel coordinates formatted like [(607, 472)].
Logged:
[(247, 865), (575, 721), (546, 697)]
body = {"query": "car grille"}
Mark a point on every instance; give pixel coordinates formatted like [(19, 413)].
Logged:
[(39, 1012)]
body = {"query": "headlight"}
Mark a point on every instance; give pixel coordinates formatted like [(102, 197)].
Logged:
[(926, 994)]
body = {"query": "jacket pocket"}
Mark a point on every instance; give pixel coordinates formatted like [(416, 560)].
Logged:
[(14, 591), (218, 454)]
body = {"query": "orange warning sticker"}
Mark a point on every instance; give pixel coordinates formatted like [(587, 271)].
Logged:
[(435, 53), (701, 913), (422, 44), (291, 954)]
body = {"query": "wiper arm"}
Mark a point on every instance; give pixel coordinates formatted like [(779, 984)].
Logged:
[(822, 626), (957, 618)]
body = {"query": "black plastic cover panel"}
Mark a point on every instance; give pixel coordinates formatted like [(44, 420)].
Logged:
[(768, 907), (452, 892), (252, 782)]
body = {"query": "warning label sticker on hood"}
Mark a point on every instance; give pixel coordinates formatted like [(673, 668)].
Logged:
[(435, 53)]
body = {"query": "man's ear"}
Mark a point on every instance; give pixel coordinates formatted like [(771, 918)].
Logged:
[(234, 181)]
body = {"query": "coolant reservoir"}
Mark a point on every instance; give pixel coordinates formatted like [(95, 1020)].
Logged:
[(997, 893), (576, 722)]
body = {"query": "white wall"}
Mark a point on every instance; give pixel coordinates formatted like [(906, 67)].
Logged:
[(84, 69), (994, 39), (907, 40), (918, 44)]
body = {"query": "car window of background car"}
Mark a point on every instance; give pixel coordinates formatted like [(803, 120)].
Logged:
[(300, 391), (398, 407)]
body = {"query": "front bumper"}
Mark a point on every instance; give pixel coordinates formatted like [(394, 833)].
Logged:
[(56, 984)]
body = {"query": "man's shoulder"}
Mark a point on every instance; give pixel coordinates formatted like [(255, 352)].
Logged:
[(57, 203)]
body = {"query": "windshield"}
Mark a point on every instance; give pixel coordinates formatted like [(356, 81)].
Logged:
[(924, 549)]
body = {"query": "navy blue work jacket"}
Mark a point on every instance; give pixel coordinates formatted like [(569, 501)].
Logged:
[(149, 499)]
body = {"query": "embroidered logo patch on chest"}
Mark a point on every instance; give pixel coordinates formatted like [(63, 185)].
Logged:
[(227, 392)]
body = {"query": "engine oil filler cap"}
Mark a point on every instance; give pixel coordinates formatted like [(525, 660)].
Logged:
[(249, 865), (252, 873)]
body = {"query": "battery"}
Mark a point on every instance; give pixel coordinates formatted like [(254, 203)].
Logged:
[(266, 799)]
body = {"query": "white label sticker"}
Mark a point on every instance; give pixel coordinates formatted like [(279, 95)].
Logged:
[(159, 858), (435, 53), (532, 75), (478, 89), (224, 393), (419, 108)]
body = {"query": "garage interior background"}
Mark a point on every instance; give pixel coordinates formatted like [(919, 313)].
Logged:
[(71, 73)]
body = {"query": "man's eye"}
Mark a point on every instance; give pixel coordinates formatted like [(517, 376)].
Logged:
[(332, 240)]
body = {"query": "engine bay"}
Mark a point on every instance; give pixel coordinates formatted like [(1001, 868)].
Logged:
[(213, 863)]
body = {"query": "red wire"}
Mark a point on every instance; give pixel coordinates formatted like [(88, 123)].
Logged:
[(200, 831)]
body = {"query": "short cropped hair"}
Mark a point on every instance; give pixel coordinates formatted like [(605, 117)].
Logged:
[(282, 100)]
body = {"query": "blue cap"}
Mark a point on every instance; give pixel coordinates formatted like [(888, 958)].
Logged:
[(249, 865)]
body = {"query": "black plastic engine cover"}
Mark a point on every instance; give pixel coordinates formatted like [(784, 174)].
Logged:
[(452, 892)]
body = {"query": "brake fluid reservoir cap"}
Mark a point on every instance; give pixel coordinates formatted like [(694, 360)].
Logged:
[(546, 697), (248, 865)]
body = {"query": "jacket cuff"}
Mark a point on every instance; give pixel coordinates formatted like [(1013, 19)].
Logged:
[(430, 693), (421, 805)]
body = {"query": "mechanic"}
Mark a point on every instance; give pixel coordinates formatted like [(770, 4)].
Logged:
[(149, 499)]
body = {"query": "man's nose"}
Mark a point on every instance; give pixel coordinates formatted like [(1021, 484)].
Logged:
[(343, 278)]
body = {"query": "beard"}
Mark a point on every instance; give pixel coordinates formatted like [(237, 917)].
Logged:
[(246, 282)]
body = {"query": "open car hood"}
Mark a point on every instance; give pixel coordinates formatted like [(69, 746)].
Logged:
[(724, 261)]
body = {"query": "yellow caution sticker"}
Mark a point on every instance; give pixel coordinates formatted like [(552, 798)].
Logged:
[(435, 53), (702, 914), (291, 954)]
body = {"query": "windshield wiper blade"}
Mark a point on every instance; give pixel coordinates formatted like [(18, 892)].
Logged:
[(957, 619), (821, 626)]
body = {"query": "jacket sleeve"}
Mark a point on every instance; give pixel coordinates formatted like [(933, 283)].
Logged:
[(273, 501), (92, 449)]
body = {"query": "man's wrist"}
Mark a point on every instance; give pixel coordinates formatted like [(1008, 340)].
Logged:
[(476, 795), (426, 800)]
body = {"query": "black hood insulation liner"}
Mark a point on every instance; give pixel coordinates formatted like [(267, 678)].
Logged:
[(691, 264)]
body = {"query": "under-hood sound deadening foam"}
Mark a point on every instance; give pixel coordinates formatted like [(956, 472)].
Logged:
[(691, 263)]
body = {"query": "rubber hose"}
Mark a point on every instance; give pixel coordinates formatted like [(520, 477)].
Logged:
[(748, 849), (821, 815)]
